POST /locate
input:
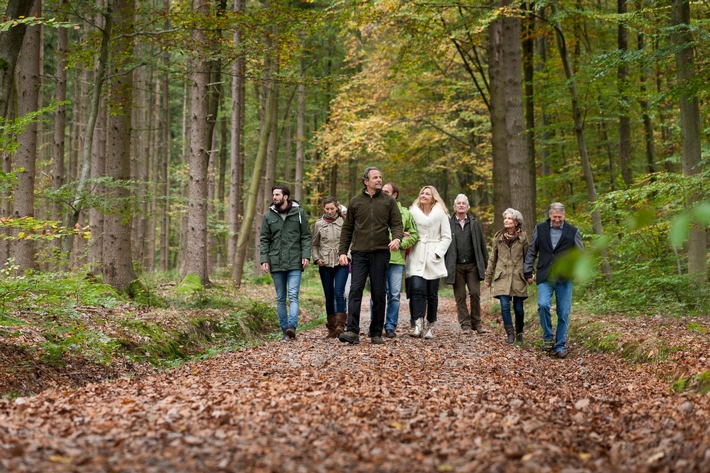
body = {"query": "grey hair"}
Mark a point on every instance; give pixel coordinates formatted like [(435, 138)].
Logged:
[(461, 197), (366, 174), (556, 207), (517, 216)]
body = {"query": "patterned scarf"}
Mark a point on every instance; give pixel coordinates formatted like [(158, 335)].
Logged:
[(509, 238)]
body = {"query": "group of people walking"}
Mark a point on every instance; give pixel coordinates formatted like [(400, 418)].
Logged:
[(379, 239)]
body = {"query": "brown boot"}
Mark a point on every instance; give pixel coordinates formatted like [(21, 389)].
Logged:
[(510, 332), (330, 325), (341, 318)]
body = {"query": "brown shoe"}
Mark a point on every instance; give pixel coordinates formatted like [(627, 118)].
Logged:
[(341, 318), (561, 354), (479, 329)]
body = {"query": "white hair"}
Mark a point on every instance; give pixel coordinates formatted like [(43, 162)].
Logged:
[(517, 216)]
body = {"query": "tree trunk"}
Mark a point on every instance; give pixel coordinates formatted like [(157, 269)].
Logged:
[(98, 170), (195, 258), (528, 76), (236, 170), (501, 166), (690, 126), (85, 156), (60, 117), (10, 45), (165, 157), (28, 90), (624, 119), (241, 251), (300, 135), (582, 145), (646, 112), (117, 255)]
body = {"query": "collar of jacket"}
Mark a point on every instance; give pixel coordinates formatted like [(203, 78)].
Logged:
[(294, 206)]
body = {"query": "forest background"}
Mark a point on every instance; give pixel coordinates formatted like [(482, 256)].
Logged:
[(143, 138)]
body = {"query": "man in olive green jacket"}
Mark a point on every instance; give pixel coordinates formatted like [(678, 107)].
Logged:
[(285, 250), (372, 229)]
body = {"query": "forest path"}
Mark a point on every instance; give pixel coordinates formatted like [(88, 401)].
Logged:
[(460, 403)]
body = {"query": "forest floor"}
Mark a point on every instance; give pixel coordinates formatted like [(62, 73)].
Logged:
[(457, 403)]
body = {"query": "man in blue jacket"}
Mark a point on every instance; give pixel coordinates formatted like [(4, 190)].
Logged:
[(285, 250), (551, 240)]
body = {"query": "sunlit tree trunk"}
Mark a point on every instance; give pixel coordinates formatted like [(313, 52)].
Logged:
[(690, 126), (28, 91), (117, 255)]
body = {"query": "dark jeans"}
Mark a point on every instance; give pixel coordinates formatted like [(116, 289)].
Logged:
[(424, 297), (467, 277), (373, 264), (517, 308), (333, 280)]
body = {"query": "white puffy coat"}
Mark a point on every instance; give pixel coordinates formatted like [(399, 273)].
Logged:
[(426, 258)]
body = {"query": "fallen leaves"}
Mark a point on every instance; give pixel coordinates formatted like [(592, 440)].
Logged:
[(458, 403)]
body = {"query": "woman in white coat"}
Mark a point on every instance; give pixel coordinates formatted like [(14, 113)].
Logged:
[(426, 264)]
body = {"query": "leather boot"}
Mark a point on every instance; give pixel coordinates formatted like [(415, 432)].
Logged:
[(341, 318), (519, 334), (418, 328), (330, 325), (510, 331)]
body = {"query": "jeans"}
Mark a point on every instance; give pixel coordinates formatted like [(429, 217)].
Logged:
[(467, 276), (374, 265), (393, 288), (292, 281), (563, 300), (333, 281), (517, 308), (425, 298)]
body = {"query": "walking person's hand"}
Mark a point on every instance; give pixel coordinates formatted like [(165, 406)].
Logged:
[(343, 260), (265, 267)]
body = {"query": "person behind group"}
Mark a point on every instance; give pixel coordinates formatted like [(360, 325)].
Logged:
[(466, 264), (372, 229), (505, 275), (551, 240), (285, 250), (393, 285), (333, 275), (426, 265)]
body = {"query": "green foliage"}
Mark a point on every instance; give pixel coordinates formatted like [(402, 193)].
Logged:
[(647, 225), (143, 295), (699, 383)]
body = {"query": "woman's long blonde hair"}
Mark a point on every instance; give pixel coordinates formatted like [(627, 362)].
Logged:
[(438, 201)]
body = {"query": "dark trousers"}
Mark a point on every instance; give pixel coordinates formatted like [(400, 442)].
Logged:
[(425, 298), (333, 281), (374, 265), (467, 277)]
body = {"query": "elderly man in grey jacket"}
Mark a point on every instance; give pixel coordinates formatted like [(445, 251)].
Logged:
[(466, 261)]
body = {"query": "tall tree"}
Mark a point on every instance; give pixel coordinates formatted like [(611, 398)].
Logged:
[(236, 148), (623, 79), (690, 125), (195, 256), (117, 255), (28, 91), (513, 173), (10, 45)]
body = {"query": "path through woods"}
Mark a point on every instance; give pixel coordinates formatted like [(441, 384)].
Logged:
[(455, 403)]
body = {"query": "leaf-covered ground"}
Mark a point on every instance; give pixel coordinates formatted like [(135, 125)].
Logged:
[(456, 403)]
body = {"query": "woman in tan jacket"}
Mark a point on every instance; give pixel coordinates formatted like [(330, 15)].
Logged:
[(333, 275), (505, 272)]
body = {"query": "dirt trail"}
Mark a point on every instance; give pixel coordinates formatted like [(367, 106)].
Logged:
[(455, 403)]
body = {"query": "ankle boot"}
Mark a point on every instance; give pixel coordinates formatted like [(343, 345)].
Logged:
[(519, 335), (330, 325), (418, 328), (510, 331), (428, 330), (341, 318)]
